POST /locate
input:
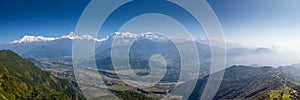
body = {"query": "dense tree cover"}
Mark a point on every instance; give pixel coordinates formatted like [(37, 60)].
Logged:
[(20, 79), (133, 96), (126, 95)]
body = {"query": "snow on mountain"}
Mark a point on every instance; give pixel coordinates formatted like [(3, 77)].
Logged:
[(148, 35), (71, 36), (28, 39)]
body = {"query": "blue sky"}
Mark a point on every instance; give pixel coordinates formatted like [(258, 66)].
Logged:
[(38, 17), (249, 22)]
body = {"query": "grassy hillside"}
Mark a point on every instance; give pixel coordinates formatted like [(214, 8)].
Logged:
[(20, 79)]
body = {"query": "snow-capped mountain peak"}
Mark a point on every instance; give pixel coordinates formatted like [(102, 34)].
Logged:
[(151, 35), (148, 35), (125, 35), (28, 39), (72, 36)]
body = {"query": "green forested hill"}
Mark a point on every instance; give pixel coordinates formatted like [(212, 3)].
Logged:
[(21, 79)]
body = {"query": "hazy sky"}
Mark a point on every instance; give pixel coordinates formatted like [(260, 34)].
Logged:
[(260, 22), (268, 23)]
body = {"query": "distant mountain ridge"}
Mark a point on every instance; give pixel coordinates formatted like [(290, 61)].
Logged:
[(28, 39), (72, 36), (29, 43), (38, 46)]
